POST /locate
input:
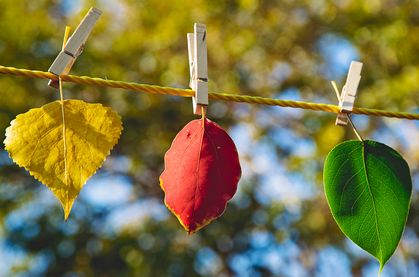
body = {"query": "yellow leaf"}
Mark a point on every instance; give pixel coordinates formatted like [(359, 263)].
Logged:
[(63, 154)]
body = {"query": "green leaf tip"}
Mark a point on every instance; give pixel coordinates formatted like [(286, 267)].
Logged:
[(368, 188)]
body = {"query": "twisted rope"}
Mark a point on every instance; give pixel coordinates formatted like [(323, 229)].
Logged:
[(211, 95)]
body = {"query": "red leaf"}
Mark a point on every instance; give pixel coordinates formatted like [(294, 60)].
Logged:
[(201, 173)]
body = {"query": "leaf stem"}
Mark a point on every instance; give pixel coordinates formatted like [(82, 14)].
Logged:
[(335, 87), (66, 33), (355, 130), (203, 115), (61, 88)]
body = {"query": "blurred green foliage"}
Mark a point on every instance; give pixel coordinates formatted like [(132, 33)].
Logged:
[(279, 223)]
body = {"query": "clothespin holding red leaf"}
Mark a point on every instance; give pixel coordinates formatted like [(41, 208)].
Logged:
[(202, 167), (197, 50), (74, 46), (347, 98)]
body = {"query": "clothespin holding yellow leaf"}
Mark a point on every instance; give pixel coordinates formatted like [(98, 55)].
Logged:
[(63, 143), (74, 46)]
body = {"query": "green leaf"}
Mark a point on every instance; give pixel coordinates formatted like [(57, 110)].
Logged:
[(368, 188)]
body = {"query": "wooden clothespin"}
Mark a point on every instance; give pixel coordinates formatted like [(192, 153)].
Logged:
[(74, 46), (347, 98), (197, 50)]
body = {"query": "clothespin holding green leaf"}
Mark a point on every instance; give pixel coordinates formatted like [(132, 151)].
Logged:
[(347, 98)]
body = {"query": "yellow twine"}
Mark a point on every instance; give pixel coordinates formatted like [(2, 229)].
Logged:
[(211, 95)]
